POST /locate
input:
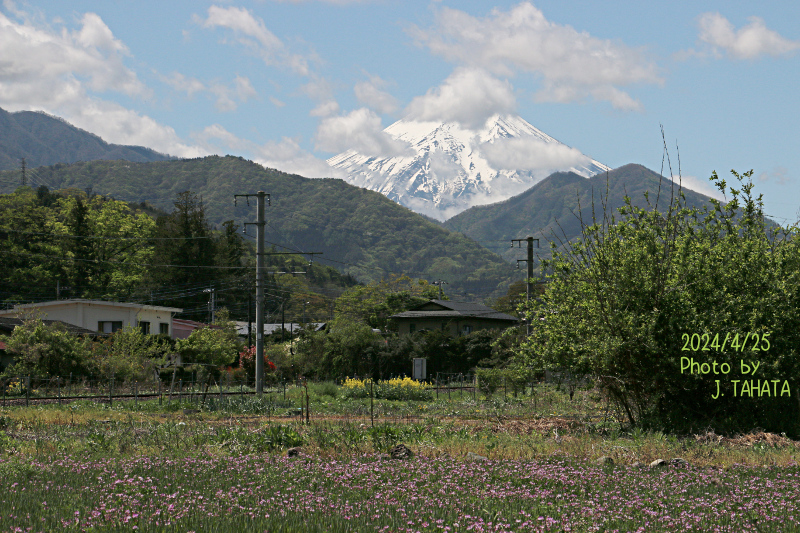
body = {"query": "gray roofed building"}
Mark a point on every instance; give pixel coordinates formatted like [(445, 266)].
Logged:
[(7, 325), (242, 328), (457, 318)]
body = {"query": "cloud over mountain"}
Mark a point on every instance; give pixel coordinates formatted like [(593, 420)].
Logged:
[(573, 65)]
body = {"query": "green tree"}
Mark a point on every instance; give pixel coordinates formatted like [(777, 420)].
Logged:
[(184, 239), (44, 350), (373, 304), (130, 355), (106, 242), (211, 348), (32, 260), (622, 301)]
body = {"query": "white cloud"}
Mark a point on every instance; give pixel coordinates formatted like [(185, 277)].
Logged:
[(319, 89), (38, 63), (749, 42), (252, 33), (276, 102), (703, 186), (468, 96), (61, 72), (285, 155), (572, 65), (371, 94), (779, 175), (181, 83), (325, 109), (359, 130), (334, 2), (530, 153), (117, 124), (228, 97)]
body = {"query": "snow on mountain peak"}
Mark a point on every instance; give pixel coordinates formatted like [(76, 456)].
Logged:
[(449, 168)]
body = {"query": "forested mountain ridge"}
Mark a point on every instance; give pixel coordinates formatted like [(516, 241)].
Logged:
[(360, 232), (46, 140), (553, 208)]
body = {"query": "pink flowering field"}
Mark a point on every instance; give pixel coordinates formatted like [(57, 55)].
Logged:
[(270, 492)]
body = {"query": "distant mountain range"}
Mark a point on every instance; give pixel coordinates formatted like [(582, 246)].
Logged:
[(552, 209), (360, 232), (448, 168), (43, 139)]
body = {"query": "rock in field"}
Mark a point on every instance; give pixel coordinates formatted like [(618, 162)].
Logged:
[(658, 462), (476, 457), (401, 451), (292, 452)]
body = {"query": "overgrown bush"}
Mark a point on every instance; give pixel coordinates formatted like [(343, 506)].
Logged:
[(624, 302), (47, 351)]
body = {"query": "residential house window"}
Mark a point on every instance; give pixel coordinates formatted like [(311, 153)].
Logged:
[(467, 330), (144, 326), (163, 328), (412, 328), (109, 326)]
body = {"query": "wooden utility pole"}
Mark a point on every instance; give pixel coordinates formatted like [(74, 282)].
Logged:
[(529, 260)]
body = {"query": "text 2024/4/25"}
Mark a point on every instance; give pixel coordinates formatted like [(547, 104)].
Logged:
[(737, 342)]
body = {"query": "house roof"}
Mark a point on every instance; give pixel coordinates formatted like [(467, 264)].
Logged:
[(182, 323), (7, 325), (448, 309), (76, 301), (269, 329)]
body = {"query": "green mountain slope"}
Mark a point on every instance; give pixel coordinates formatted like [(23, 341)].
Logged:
[(552, 209), (46, 140), (359, 231)]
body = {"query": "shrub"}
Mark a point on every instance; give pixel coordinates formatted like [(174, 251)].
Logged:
[(392, 389)]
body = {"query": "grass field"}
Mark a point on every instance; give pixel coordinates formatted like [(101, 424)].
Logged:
[(223, 467)]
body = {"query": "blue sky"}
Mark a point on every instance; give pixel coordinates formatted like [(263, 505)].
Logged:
[(291, 83)]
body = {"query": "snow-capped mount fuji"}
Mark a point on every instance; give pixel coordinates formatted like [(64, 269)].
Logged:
[(448, 168)]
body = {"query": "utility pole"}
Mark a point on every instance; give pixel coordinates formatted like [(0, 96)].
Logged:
[(249, 320), (440, 283), (212, 304), (261, 198), (529, 260)]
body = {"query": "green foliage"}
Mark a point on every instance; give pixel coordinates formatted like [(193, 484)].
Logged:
[(374, 303), (43, 350), (620, 301), (211, 347), (130, 355), (92, 247), (514, 379), (100, 233)]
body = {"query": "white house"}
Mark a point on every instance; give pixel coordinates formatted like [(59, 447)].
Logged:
[(101, 316)]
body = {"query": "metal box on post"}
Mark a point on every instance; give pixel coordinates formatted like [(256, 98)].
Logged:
[(420, 369)]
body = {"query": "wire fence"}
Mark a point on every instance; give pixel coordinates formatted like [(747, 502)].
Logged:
[(452, 396), (28, 390)]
